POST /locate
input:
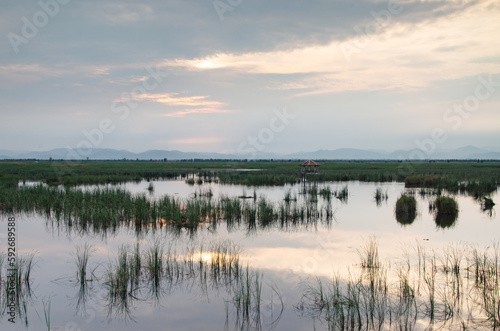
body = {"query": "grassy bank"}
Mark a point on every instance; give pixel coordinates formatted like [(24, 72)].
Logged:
[(416, 174)]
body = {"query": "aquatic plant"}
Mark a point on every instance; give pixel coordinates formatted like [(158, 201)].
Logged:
[(369, 254), (81, 257), (446, 211), (406, 209), (380, 196)]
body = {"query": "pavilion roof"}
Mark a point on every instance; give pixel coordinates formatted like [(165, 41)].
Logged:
[(309, 163)]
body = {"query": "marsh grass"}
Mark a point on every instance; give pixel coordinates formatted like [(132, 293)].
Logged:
[(81, 257), (406, 209), (154, 260), (106, 210), (369, 254), (326, 193), (487, 204), (2, 260), (380, 196), (342, 194), (15, 288), (121, 285), (288, 197), (436, 288), (247, 300), (151, 188), (446, 211), (46, 307)]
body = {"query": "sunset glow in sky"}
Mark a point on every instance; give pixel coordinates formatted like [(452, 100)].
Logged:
[(205, 75)]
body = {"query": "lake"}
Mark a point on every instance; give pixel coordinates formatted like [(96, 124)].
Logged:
[(235, 277)]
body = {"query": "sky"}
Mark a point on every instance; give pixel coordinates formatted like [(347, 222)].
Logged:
[(238, 76)]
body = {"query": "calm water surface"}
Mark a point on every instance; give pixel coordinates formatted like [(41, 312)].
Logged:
[(285, 259)]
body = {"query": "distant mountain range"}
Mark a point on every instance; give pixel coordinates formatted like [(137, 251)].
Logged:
[(463, 153)]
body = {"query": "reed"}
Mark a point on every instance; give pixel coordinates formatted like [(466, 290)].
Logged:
[(15, 289), (326, 193), (446, 211), (81, 257), (380, 196), (369, 254), (154, 260), (247, 300), (487, 204), (121, 285), (151, 188), (46, 306), (406, 209), (342, 194), (2, 260)]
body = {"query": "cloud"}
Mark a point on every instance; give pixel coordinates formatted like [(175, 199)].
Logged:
[(198, 104), (172, 99), (183, 113), (398, 57)]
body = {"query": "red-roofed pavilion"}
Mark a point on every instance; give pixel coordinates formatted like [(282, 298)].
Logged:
[(309, 166)]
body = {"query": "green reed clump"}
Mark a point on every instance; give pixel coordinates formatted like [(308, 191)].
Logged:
[(154, 262), (81, 258), (446, 211), (369, 254), (257, 179), (480, 188), (312, 193), (446, 205), (437, 289), (136, 265), (424, 180), (406, 209), (247, 299), (380, 196), (15, 288), (288, 197), (356, 304), (485, 268), (122, 283), (266, 212), (107, 209), (342, 194), (326, 193), (487, 203)]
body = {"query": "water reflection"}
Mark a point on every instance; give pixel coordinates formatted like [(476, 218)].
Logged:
[(487, 205), (445, 220), (406, 209), (406, 218), (315, 242), (16, 292)]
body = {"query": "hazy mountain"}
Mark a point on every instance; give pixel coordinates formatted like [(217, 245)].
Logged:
[(8, 153), (463, 153), (337, 154)]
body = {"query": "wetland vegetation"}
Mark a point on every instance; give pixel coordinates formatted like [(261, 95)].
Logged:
[(257, 245)]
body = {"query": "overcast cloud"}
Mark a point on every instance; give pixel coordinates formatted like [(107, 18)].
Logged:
[(201, 75)]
